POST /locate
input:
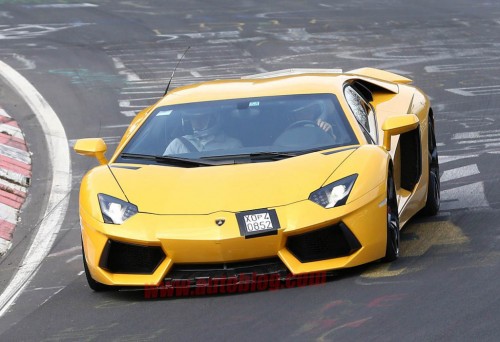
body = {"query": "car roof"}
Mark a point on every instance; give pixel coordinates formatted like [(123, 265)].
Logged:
[(308, 83), (285, 82)]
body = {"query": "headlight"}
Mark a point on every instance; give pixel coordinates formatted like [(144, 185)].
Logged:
[(334, 194), (115, 210)]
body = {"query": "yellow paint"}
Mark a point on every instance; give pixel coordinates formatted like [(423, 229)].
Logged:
[(490, 259), (397, 125), (181, 219), (92, 147), (428, 235), (181, 226), (381, 74)]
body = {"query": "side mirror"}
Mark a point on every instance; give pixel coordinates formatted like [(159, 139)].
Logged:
[(92, 147), (396, 125)]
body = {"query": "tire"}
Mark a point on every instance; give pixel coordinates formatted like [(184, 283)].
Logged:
[(393, 233), (434, 186), (94, 285)]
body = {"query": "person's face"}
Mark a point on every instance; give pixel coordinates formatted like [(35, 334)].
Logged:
[(200, 122), (304, 115)]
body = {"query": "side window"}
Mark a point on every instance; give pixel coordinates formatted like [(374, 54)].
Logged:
[(363, 112)]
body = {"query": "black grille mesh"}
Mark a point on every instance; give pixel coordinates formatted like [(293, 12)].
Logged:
[(230, 269), (325, 243), (119, 257)]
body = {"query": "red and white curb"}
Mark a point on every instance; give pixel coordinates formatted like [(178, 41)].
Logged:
[(15, 177), (57, 199)]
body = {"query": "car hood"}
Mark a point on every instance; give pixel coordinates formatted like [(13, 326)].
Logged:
[(161, 189)]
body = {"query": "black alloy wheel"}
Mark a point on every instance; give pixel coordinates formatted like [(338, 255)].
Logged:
[(433, 190), (94, 285), (392, 249)]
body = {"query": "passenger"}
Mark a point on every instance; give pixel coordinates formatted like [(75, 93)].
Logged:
[(308, 128), (313, 114), (207, 135)]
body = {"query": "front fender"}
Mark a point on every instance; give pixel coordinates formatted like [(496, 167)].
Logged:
[(98, 180), (371, 163)]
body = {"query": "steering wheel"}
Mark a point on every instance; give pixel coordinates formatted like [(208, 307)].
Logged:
[(301, 123)]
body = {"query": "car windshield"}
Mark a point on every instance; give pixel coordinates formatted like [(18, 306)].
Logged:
[(240, 130)]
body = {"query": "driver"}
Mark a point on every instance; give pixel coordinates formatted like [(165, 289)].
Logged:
[(207, 135)]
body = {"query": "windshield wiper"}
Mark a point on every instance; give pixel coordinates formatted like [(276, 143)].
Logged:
[(169, 160), (254, 156), (273, 155)]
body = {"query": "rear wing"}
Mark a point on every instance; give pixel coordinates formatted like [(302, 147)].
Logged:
[(373, 79), (296, 71), (381, 75)]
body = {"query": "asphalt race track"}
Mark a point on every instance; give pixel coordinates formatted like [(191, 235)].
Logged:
[(97, 63)]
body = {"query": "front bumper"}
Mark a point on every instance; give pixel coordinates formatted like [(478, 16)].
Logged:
[(144, 250)]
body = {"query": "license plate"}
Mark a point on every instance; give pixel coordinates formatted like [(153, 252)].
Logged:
[(259, 222)]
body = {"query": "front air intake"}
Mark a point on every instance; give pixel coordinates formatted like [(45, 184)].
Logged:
[(324, 243), (119, 257)]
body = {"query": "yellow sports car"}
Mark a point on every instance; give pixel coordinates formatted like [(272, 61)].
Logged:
[(299, 170)]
